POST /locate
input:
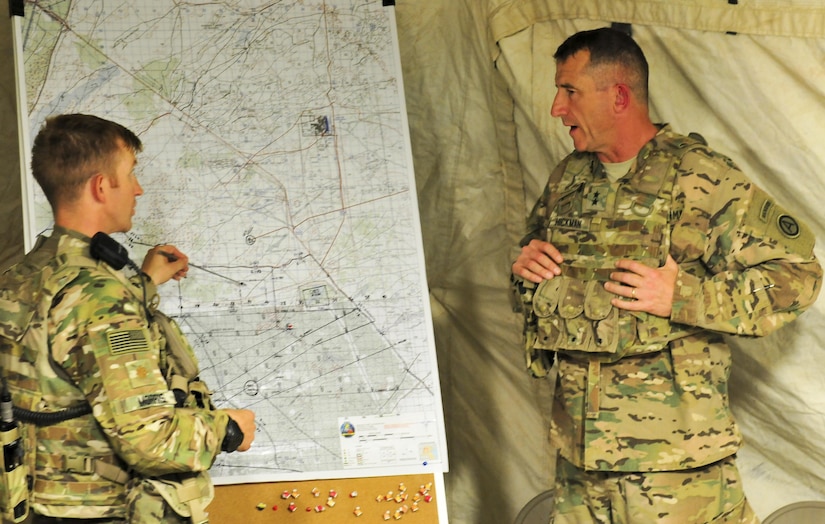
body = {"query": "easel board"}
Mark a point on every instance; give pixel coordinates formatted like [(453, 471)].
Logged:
[(280, 164)]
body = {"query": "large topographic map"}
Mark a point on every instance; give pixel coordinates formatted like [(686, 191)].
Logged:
[(276, 156)]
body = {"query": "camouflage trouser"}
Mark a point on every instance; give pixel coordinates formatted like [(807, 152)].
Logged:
[(710, 494)]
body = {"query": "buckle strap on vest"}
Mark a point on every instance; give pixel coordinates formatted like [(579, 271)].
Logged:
[(190, 494), (187, 494), (179, 382), (594, 389), (89, 465)]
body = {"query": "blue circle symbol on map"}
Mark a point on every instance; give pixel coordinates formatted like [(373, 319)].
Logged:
[(347, 429)]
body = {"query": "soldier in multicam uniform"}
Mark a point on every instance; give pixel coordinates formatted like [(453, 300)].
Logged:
[(644, 250), (120, 429)]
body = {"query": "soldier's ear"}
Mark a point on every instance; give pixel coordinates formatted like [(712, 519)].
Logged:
[(99, 187), (621, 100)]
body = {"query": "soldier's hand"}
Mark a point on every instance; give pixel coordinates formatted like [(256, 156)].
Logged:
[(644, 288), (539, 260), (246, 421), (164, 262)]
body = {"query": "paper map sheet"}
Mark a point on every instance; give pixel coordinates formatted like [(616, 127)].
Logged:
[(276, 156)]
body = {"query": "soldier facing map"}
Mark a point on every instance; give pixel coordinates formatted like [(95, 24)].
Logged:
[(116, 425)]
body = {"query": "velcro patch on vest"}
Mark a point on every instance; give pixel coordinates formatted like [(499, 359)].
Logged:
[(773, 221), (574, 223), (127, 341), (148, 400), (142, 373)]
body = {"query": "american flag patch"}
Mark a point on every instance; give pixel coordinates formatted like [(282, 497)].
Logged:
[(127, 341)]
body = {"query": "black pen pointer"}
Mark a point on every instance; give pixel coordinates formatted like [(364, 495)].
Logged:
[(171, 257)]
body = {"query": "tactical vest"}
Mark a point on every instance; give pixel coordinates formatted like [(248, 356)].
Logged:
[(74, 467), (594, 223)]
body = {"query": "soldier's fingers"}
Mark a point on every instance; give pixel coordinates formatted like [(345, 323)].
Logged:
[(540, 269), (633, 266), (539, 248)]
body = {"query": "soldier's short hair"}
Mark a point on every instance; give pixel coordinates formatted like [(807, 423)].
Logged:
[(612, 47), (69, 149)]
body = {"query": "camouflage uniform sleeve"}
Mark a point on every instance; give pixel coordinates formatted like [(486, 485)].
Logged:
[(747, 265), (152, 298), (99, 334)]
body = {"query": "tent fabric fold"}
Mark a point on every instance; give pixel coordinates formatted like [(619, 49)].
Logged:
[(767, 18)]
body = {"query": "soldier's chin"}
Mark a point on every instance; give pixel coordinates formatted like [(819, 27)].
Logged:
[(577, 140)]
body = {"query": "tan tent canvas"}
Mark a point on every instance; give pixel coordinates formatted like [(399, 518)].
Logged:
[(478, 76)]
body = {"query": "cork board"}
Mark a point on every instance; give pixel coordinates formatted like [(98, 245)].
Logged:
[(379, 499)]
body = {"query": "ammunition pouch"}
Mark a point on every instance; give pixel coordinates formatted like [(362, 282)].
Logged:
[(594, 222), (181, 366), (538, 360), (187, 495), (577, 317)]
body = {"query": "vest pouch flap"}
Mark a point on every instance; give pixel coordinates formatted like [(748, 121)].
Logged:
[(606, 332), (549, 329), (597, 301), (188, 496), (183, 359), (578, 335), (571, 298), (548, 334), (546, 297)]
